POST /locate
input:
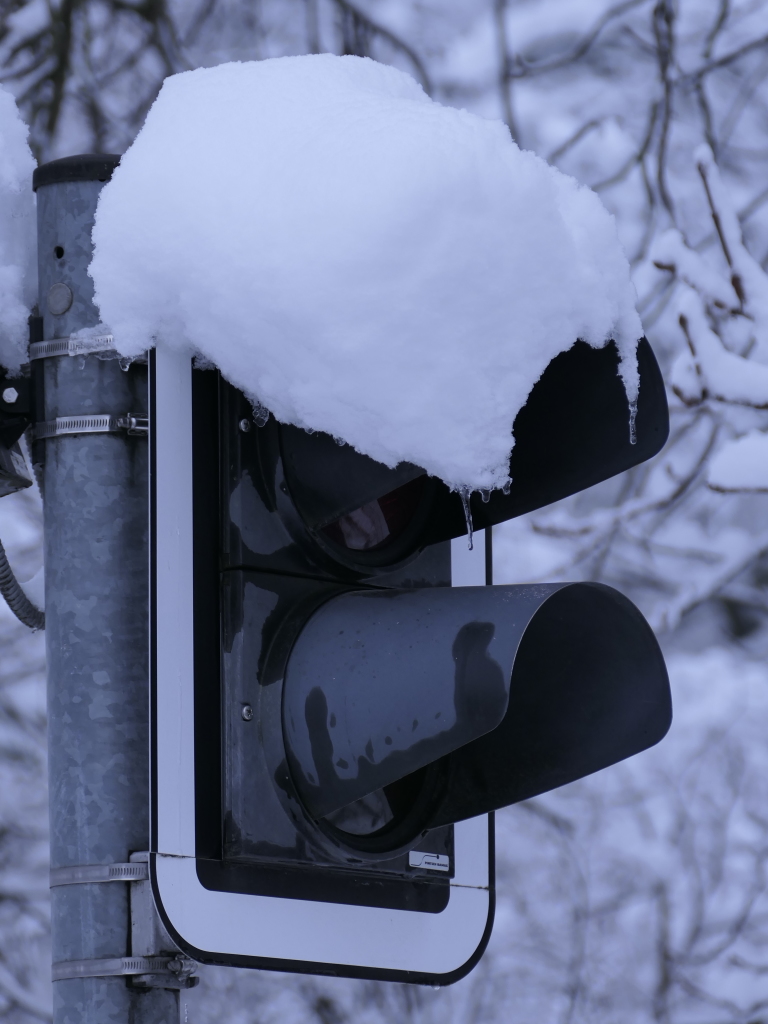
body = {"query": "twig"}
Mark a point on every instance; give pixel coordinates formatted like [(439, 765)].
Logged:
[(736, 281), (505, 66), (717, 27), (526, 68), (663, 30), (574, 139), (683, 321), (399, 44), (728, 58), (636, 158)]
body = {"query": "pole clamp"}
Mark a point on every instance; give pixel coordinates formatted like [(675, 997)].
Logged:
[(178, 969), (82, 874), (157, 963), (135, 426), (72, 346)]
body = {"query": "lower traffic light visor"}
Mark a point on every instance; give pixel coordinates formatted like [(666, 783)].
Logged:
[(538, 684)]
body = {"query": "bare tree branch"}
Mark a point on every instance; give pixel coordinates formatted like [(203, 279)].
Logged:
[(505, 66), (664, 32), (362, 22), (524, 68), (728, 58)]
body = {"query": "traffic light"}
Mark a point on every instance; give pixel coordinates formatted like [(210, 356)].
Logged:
[(331, 719)]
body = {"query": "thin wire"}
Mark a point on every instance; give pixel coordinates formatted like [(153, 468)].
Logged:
[(15, 597)]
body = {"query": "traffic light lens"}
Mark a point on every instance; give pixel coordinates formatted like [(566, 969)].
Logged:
[(389, 818), (378, 522), (380, 809), (363, 817)]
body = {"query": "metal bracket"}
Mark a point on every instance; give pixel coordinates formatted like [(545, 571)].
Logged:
[(157, 962), (72, 346), (179, 966), (84, 874), (149, 938), (136, 426)]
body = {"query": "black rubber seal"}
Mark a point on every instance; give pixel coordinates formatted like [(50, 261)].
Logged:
[(83, 167)]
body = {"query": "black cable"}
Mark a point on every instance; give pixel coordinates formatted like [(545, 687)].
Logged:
[(15, 597)]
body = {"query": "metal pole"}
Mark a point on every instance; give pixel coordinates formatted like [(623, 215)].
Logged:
[(96, 523)]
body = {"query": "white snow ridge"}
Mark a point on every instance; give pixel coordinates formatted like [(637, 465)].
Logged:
[(358, 258)]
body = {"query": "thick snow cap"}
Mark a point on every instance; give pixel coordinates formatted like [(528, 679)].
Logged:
[(358, 258), (18, 250)]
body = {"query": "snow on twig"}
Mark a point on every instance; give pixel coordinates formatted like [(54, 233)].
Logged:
[(669, 252), (748, 278), (741, 465), (723, 375)]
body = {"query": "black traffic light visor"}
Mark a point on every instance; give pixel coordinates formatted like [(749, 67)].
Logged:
[(521, 688), (573, 432)]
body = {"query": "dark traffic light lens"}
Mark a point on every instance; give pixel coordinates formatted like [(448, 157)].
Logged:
[(363, 817), (363, 515), (388, 818), (378, 522)]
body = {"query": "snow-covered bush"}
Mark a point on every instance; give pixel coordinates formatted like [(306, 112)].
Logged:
[(689, 526)]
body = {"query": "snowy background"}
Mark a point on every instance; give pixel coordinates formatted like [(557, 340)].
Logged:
[(637, 895)]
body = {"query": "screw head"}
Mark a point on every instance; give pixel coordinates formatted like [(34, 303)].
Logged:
[(10, 395), (245, 425), (247, 712)]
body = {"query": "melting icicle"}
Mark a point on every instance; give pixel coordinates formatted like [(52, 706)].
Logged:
[(485, 494), (464, 493), (632, 422), (124, 363), (506, 488)]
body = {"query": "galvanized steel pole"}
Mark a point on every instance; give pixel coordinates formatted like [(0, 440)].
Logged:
[(96, 565)]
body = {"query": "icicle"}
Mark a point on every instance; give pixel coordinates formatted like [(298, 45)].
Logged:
[(485, 494), (124, 363), (464, 494), (632, 422), (506, 488)]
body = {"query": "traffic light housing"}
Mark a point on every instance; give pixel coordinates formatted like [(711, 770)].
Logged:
[(573, 432), (352, 714)]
